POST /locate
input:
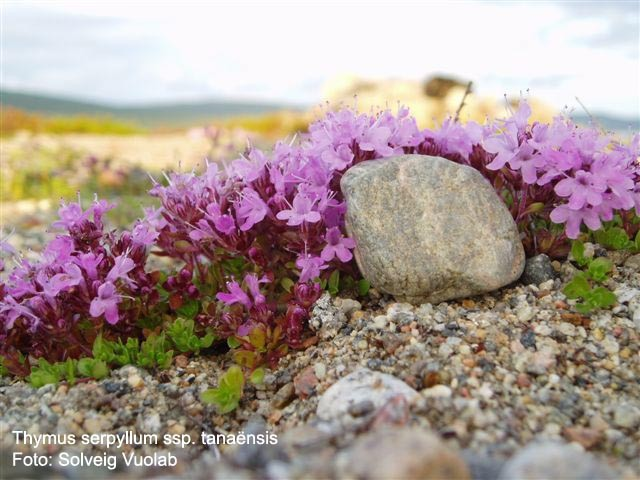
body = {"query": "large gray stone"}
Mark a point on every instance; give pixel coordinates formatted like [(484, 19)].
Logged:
[(430, 230)]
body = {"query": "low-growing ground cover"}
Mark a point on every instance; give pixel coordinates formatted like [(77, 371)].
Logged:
[(260, 237), (252, 245)]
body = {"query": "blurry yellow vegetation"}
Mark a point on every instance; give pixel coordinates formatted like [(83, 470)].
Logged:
[(269, 125), (13, 120)]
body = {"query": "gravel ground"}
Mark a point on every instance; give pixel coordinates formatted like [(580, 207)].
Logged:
[(488, 375)]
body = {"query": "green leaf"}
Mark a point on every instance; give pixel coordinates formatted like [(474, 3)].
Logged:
[(618, 238), (245, 358), (207, 340), (183, 246), (189, 309), (68, 370), (43, 374), (103, 349), (181, 333), (287, 284), (577, 287), (602, 298), (4, 371), (226, 396), (612, 237), (258, 338), (577, 253), (334, 282), (584, 308), (233, 342), (535, 207), (234, 266), (599, 268), (257, 376), (153, 352), (363, 287), (347, 283), (92, 368)]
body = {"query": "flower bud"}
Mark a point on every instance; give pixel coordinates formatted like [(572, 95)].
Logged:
[(306, 293)]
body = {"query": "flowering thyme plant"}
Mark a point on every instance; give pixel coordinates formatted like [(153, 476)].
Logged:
[(88, 281), (259, 237)]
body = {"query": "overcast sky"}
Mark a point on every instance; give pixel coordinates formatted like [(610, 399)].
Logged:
[(141, 52)]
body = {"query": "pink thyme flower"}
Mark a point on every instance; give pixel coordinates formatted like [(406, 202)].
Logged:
[(574, 219), (377, 139), (122, 266), (337, 246), (70, 277), (310, 267), (89, 263), (250, 210), (70, 215), (584, 188), (143, 234), (338, 158), (106, 303), (504, 144), (253, 283), (235, 295), (301, 211), (528, 162)]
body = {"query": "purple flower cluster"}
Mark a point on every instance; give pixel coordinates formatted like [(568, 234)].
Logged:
[(87, 281), (592, 175), (259, 235)]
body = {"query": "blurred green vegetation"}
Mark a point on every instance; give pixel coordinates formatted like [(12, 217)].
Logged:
[(13, 120), (45, 164), (38, 172)]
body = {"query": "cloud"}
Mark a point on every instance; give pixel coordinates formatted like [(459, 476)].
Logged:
[(620, 19), (123, 53)]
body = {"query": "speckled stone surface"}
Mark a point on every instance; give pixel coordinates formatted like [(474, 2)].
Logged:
[(430, 230)]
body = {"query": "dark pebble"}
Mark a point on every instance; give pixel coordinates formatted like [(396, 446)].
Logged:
[(117, 388), (537, 269), (528, 339)]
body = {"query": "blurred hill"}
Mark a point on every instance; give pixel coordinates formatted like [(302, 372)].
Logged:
[(152, 115), (615, 124), (430, 102)]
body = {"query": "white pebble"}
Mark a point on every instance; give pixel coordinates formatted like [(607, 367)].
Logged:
[(445, 350), (525, 313), (380, 321), (437, 391)]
